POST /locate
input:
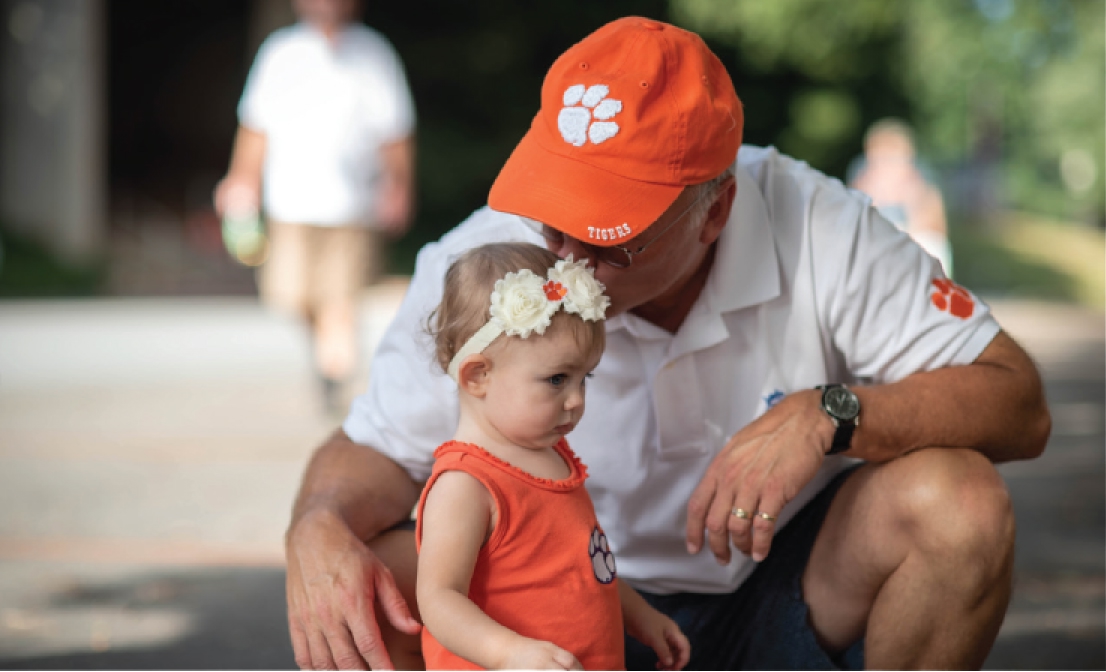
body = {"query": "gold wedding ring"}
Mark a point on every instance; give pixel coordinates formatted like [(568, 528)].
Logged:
[(740, 513), (765, 516)]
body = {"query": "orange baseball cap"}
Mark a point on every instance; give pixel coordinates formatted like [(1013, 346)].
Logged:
[(629, 116)]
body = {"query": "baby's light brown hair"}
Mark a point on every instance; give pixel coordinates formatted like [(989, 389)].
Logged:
[(466, 300)]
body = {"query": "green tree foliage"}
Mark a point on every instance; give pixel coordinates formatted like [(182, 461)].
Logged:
[(1014, 86)]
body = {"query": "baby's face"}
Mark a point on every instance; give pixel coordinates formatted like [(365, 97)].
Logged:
[(536, 389)]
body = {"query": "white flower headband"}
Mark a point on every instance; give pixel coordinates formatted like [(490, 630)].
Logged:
[(523, 303)]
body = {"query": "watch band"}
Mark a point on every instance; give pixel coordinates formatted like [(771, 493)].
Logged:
[(842, 437), (843, 434)]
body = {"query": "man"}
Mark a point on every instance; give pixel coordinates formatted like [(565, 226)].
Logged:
[(327, 118), (736, 288)]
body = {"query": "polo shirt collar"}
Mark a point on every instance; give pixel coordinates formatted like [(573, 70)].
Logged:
[(745, 272)]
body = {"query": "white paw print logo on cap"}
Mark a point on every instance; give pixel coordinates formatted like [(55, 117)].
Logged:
[(583, 106)]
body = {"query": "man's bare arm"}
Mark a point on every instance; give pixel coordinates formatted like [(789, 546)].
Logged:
[(349, 495), (366, 490), (995, 405)]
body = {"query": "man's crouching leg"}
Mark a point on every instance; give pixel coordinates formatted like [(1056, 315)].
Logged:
[(396, 549), (916, 556)]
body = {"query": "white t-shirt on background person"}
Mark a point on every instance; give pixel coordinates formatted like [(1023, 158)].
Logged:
[(325, 109)]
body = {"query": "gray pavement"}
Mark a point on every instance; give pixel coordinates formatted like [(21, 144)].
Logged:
[(149, 451)]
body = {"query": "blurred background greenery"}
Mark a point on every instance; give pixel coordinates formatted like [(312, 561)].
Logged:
[(1007, 99)]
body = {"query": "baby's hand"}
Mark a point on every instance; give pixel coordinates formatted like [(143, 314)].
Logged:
[(531, 654), (661, 634)]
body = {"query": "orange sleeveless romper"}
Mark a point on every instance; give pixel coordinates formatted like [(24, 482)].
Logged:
[(546, 572)]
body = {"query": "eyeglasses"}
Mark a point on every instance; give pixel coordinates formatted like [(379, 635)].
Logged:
[(615, 256)]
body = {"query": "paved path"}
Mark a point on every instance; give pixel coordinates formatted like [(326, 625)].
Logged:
[(149, 450)]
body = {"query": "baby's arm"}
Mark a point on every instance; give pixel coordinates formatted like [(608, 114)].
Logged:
[(654, 629), (456, 521)]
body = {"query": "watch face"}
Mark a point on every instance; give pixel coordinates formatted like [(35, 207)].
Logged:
[(842, 403)]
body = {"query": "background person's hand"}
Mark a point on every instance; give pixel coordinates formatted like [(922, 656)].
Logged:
[(761, 468), (333, 580), (237, 193), (393, 211)]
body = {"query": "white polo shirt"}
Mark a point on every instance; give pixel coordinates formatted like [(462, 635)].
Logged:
[(809, 286), (325, 109)]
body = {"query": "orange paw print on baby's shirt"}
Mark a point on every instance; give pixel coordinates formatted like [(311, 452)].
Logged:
[(554, 291), (952, 298)]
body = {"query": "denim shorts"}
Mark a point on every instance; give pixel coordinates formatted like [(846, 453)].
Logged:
[(763, 625)]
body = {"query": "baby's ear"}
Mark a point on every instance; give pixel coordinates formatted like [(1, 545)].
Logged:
[(472, 376)]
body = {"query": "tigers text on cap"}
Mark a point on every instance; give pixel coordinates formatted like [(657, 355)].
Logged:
[(629, 116)]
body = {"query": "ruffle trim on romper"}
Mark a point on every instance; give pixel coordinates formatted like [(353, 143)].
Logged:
[(578, 471)]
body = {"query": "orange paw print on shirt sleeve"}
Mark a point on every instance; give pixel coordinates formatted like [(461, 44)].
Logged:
[(952, 298)]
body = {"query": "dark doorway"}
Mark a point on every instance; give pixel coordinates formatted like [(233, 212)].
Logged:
[(175, 70)]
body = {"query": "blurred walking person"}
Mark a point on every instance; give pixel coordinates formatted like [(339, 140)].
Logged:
[(889, 173), (326, 124)]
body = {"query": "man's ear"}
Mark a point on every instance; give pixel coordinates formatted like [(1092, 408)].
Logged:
[(719, 212), (472, 376)]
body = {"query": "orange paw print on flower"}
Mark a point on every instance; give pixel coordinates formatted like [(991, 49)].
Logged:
[(952, 298), (554, 291)]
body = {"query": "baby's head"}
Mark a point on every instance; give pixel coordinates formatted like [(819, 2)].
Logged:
[(563, 296)]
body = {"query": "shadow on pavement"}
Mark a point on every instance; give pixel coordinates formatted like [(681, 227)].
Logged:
[(232, 618)]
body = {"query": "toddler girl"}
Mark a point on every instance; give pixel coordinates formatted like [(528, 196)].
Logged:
[(514, 570)]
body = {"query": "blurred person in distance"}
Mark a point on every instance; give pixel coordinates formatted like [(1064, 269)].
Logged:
[(325, 149), (791, 435), (889, 173)]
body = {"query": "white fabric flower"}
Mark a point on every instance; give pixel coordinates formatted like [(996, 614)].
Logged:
[(585, 293), (520, 305), (524, 303)]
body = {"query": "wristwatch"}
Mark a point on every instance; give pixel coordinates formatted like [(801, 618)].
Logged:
[(843, 408)]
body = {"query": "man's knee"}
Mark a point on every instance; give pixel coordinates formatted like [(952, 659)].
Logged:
[(953, 502)]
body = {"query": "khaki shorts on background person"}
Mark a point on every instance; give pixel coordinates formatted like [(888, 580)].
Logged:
[(310, 266), (317, 273)]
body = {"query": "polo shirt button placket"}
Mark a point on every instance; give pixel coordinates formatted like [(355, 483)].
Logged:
[(681, 429)]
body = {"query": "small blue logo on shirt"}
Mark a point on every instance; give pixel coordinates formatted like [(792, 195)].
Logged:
[(773, 398)]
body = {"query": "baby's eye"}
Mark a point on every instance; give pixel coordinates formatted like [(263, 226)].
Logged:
[(557, 379)]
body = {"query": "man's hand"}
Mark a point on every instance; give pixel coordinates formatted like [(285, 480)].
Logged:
[(333, 581), (760, 469), (532, 654)]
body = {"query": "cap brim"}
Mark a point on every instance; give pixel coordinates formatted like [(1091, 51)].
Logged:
[(589, 204)]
